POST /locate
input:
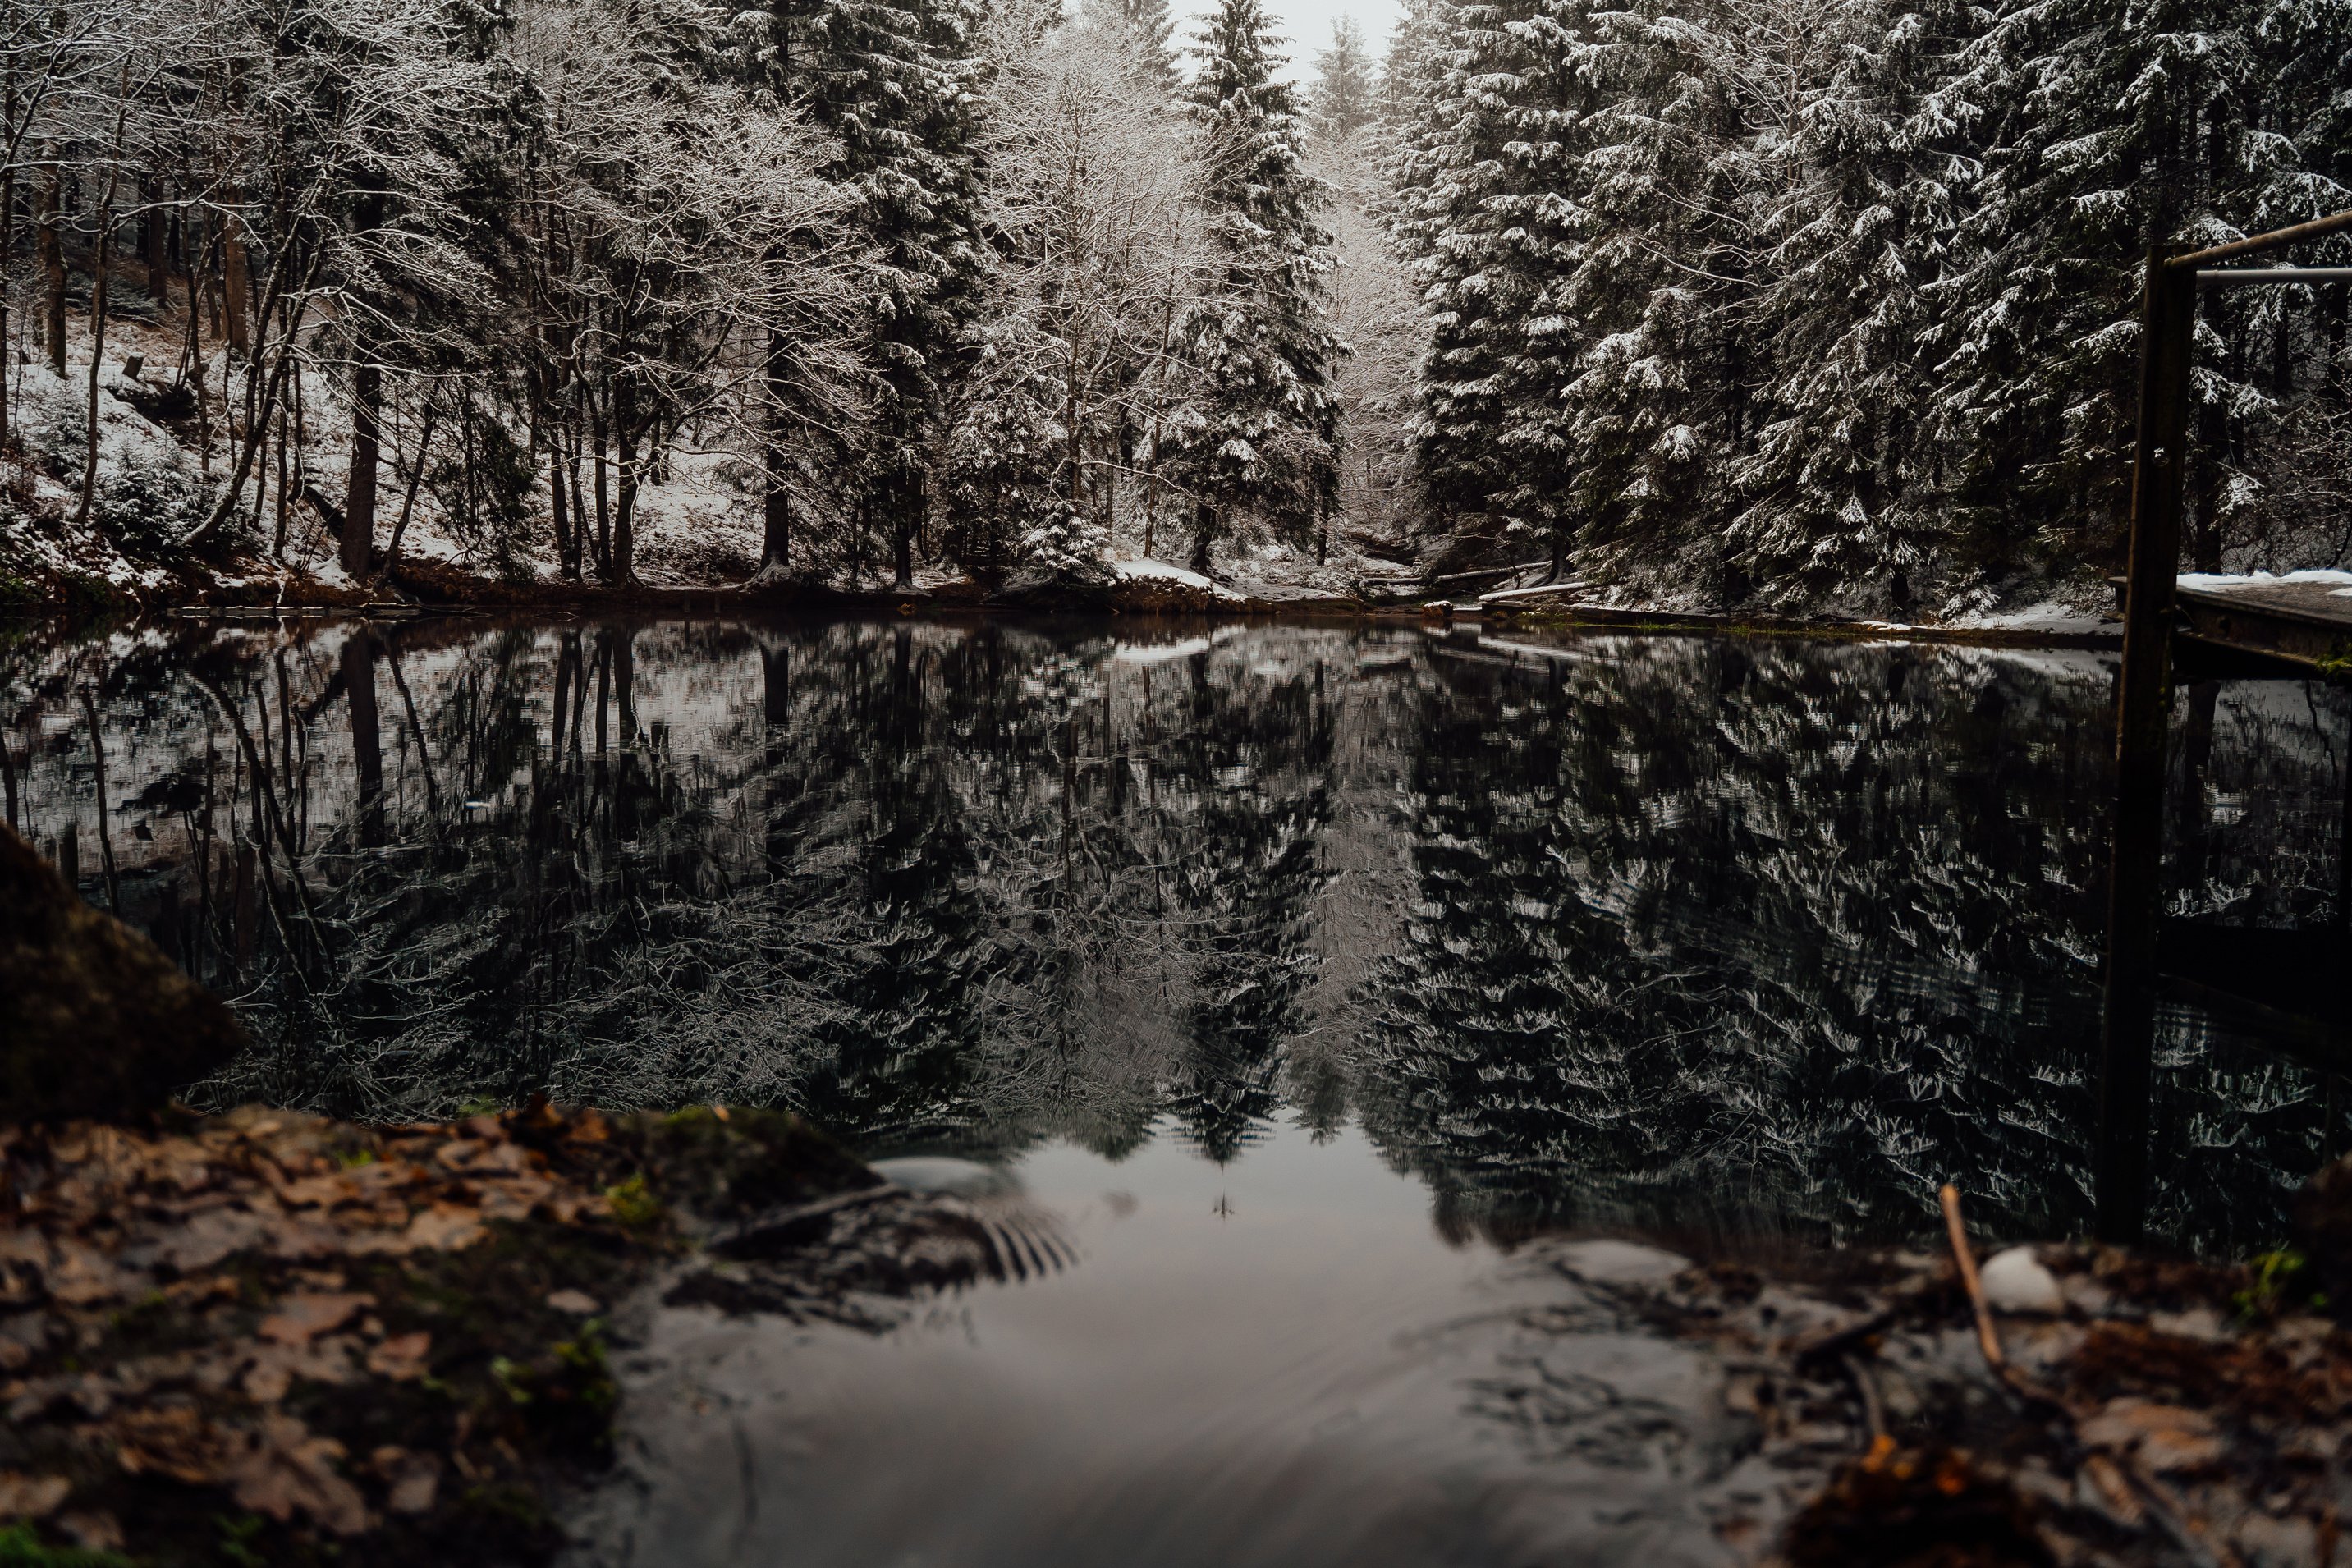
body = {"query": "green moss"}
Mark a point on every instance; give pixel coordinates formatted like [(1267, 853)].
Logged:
[(236, 1538), (22, 1547), (2281, 1277), (724, 1168), (634, 1204)]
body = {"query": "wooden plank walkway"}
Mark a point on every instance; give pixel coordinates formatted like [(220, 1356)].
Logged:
[(2308, 623)]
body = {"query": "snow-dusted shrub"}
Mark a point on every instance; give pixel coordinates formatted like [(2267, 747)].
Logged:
[(1064, 549), (148, 496), (50, 419)]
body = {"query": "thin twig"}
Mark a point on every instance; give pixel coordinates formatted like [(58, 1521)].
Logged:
[(2160, 1503), (1987, 1337), (1872, 1412)]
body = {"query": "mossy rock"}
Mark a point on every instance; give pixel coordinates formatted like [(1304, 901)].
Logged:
[(99, 1022)]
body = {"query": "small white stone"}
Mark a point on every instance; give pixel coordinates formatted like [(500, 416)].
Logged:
[(2015, 1281)]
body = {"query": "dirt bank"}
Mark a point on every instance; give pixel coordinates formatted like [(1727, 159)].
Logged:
[(269, 1338)]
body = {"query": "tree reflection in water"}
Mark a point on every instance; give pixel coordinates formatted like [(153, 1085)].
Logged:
[(1665, 932)]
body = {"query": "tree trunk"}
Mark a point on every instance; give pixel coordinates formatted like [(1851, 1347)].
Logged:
[(776, 510), (154, 228), (597, 434), (53, 269), (235, 283), (1204, 529), (285, 423), (409, 499), (570, 433), (7, 265), (101, 268), (358, 493), (8, 268), (624, 565), (905, 503), (567, 554), (367, 741)]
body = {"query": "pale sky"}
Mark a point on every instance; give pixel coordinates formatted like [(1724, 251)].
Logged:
[(1307, 24)]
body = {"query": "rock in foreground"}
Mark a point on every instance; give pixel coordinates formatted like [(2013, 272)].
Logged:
[(98, 1022)]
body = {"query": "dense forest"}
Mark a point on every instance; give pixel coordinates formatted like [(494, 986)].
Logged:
[(1815, 303)]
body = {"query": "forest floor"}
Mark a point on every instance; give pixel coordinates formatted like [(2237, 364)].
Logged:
[(267, 1337), (2061, 1405), (264, 1337)]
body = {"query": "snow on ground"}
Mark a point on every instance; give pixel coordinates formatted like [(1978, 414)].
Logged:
[(1540, 591), (1162, 571), (2226, 581), (2050, 616)]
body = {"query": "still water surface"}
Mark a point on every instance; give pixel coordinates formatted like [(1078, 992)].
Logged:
[(1302, 972)]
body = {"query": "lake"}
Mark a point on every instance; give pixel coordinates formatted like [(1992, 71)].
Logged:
[(1304, 973)]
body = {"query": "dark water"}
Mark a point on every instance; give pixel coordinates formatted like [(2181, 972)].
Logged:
[(1323, 987), (1669, 932)]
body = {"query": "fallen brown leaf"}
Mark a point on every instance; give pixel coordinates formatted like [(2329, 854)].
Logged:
[(414, 1478), (82, 1275), (300, 1319), (515, 1198), (31, 1496), (2163, 1437), (578, 1303), (178, 1443), (317, 1192), (289, 1470), (401, 1357), (204, 1239), (274, 1367), (445, 1227)]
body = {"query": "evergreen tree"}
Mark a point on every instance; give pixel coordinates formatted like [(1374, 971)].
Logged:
[(2109, 126), (1345, 98), (1487, 210), (1260, 434), (1149, 34), (897, 85), (1850, 201)]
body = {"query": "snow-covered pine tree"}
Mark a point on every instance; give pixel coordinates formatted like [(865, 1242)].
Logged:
[(897, 83), (1489, 207), (1848, 201), (1259, 434), (1345, 97), (1088, 184), (2109, 126), (1409, 68)]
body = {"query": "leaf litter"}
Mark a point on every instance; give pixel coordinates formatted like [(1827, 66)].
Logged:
[(266, 1336)]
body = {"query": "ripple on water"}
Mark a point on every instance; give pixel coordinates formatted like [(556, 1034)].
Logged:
[(1277, 1362)]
